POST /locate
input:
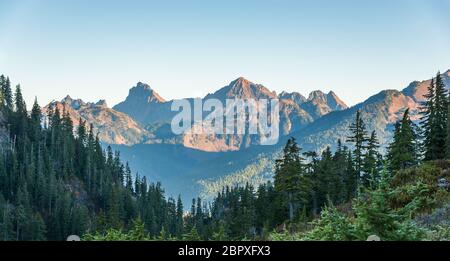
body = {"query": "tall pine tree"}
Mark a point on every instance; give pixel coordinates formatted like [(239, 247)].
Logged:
[(358, 138), (290, 179), (402, 152), (435, 120), (372, 162)]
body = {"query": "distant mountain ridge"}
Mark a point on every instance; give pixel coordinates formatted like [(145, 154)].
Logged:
[(380, 112), (190, 164), (148, 108)]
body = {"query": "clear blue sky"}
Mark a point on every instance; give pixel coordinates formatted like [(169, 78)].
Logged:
[(99, 49)]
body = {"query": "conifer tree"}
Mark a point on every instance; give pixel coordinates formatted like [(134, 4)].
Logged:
[(290, 179), (448, 125), (35, 120), (329, 183), (192, 235), (372, 162), (2, 96), (441, 122), (6, 93), (435, 120), (342, 171), (179, 225), (402, 152), (358, 138)]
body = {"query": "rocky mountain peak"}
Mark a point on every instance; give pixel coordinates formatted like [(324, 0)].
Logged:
[(294, 96), (241, 82), (242, 88), (101, 103), (335, 102), (74, 103), (144, 91), (317, 96)]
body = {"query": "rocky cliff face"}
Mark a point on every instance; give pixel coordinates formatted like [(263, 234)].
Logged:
[(113, 127)]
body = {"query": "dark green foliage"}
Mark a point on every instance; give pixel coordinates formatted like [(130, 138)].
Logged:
[(54, 183), (358, 138), (373, 162), (136, 233), (6, 96), (403, 151), (435, 120), (291, 181), (192, 235), (448, 126), (400, 208), (327, 183), (234, 212)]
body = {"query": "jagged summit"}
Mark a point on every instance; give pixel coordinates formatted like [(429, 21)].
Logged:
[(317, 95), (77, 104), (331, 100), (67, 98), (294, 96), (101, 103), (335, 102), (241, 81), (144, 103), (144, 91), (74, 103), (242, 88)]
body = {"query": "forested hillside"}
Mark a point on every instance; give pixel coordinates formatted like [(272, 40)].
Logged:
[(56, 181)]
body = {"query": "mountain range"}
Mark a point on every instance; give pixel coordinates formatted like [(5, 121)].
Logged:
[(192, 164)]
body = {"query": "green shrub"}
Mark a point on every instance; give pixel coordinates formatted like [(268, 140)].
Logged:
[(331, 226), (137, 233)]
